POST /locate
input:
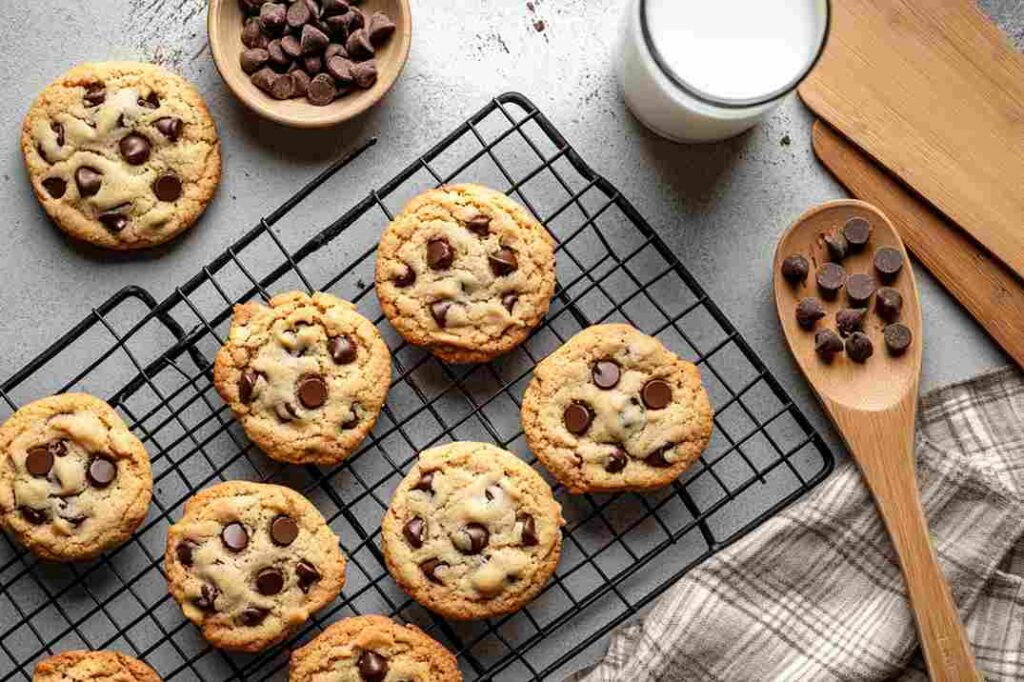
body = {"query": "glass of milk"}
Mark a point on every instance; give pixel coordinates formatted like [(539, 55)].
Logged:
[(705, 70)]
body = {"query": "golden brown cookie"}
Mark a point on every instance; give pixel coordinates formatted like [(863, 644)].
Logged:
[(93, 666), (74, 481), (472, 531), (465, 272), (373, 649), (249, 563), (613, 409), (305, 375), (123, 155)]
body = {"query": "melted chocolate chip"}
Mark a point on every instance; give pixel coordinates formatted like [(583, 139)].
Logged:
[(170, 127), (414, 531), (439, 311), (269, 582), (207, 600), (167, 187), (372, 666), (55, 187), (134, 148), (656, 394), (254, 615), (39, 461), (312, 391), (430, 568), (57, 448), (439, 254), (406, 278), (342, 349), (283, 530), (606, 374), (307, 575), (33, 516), (479, 224), (58, 129), (426, 482), (115, 221), (475, 537), (152, 101), (247, 383), (657, 458), (617, 461), (184, 552), (234, 536), (577, 417), (509, 301), (503, 262), (88, 180), (95, 95), (529, 534), (353, 421), (101, 472)]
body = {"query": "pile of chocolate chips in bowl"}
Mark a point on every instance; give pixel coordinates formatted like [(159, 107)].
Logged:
[(317, 49)]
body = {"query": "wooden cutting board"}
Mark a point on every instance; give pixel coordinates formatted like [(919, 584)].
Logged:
[(932, 90), (983, 285)]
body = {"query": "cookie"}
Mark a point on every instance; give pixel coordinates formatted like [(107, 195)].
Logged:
[(123, 155), (305, 375), (373, 649), (74, 481), (93, 666), (465, 272), (249, 563), (472, 531), (613, 409)]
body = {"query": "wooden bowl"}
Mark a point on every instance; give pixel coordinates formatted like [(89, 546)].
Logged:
[(224, 27)]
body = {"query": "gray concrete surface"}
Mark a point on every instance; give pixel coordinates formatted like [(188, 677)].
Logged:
[(720, 207)]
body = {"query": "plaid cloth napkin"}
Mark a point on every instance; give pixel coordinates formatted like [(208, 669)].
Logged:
[(816, 593)]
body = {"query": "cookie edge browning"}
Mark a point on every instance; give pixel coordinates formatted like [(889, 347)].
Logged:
[(303, 660), (536, 440), (54, 665), (330, 450), (512, 336), (134, 512), (433, 596), (89, 231)]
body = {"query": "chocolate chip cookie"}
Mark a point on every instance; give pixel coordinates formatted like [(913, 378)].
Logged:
[(466, 272), (123, 155), (74, 481), (372, 649), (305, 375), (249, 562), (613, 409), (90, 666), (472, 531)]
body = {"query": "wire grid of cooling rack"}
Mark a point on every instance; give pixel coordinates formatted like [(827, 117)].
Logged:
[(152, 361)]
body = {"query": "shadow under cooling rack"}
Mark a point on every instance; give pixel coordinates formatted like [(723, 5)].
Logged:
[(152, 361)]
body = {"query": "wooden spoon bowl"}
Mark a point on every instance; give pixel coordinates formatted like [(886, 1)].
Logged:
[(874, 405)]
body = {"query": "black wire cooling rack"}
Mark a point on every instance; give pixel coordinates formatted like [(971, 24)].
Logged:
[(153, 361)]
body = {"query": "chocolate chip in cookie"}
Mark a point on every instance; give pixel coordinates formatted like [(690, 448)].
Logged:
[(167, 187), (307, 574), (283, 530), (312, 391), (656, 394), (55, 187), (577, 418), (342, 349), (372, 666), (414, 531), (235, 537), (503, 262), (135, 149), (426, 482), (430, 567), (471, 539), (269, 582), (88, 180), (439, 254), (606, 374), (39, 461), (101, 472)]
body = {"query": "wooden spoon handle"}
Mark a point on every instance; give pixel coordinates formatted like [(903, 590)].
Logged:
[(882, 443)]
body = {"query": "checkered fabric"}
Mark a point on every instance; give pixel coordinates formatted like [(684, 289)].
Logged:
[(816, 593)]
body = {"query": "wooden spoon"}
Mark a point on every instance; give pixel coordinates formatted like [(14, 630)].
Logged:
[(874, 405)]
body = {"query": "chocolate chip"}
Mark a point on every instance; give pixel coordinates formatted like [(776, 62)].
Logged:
[(322, 90), (426, 482), (830, 278), (269, 582), (656, 394), (334, 50), (439, 311), (151, 101), (479, 224), (169, 127), (167, 187), (657, 458), (298, 14), (88, 180), (795, 268), (312, 391), (897, 338), (234, 536), (472, 538), (57, 448), (39, 461), (503, 262), (379, 28), (617, 461), (357, 19), (430, 568), (529, 532), (808, 311), (358, 45), (827, 344), (283, 530), (254, 615), (888, 263), (859, 347), (340, 69), (300, 80), (850, 320), (372, 666), (58, 129), (95, 95), (101, 472), (331, 7), (406, 277), (252, 36), (439, 254), (313, 40), (342, 349), (184, 552), (273, 17), (207, 600), (859, 289), (888, 304), (577, 417), (857, 231), (509, 301), (606, 374), (282, 87), (414, 531), (291, 47), (253, 59), (837, 246), (364, 74), (353, 421), (134, 148), (307, 574), (337, 26), (247, 384), (34, 516), (55, 187), (114, 220)]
